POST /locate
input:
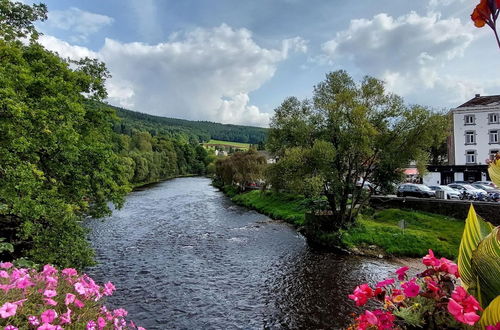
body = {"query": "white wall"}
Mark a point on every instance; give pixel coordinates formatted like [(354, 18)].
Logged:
[(459, 176), (481, 128), (432, 179)]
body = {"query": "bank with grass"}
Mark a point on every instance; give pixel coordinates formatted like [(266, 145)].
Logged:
[(375, 232)]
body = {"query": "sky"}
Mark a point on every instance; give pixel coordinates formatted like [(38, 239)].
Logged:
[(234, 61)]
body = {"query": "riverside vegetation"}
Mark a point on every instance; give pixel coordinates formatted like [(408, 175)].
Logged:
[(65, 155)]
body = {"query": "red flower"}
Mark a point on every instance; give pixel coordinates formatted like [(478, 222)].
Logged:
[(361, 294)]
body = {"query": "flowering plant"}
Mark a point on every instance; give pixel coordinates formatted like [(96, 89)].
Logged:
[(53, 299), (486, 13), (432, 299)]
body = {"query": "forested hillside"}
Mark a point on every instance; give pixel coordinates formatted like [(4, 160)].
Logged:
[(199, 131)]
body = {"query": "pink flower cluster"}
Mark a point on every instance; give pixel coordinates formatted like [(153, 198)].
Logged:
[(377, 319), (437, 284), (52, 300)]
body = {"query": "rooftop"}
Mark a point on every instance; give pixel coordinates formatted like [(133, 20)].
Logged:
[(479, 101)]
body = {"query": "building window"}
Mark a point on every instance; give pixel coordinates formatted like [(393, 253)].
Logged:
[(470, 137), (493, 118), (469, 119), (493, 153), (494, 136), (470, 156)]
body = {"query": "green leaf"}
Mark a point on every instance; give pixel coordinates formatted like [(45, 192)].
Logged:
[(491, 314), (476, 229), (486, 266)]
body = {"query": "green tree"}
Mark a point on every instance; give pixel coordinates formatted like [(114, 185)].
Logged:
[(348, 136), (57, 162), (240, 169)]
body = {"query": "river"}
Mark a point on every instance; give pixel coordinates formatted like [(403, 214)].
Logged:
[(183, 256)]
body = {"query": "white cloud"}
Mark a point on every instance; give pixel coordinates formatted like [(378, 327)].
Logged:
[(79, 22), (205, 74), (409, 52)]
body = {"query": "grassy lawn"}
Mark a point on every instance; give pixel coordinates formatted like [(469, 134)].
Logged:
[(282, 206), (229, 144), (423, 231)]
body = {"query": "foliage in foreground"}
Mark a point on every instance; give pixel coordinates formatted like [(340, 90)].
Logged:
[(431, 300), (53, 299)]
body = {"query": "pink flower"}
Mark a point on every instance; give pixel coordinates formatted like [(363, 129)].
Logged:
[(459, 294), (410, 289), (66, 317), (69, 298), (493, 327), (4, 274), (47, 326), (448, 267), (79, 304), (101, 322), (24, 282), (380, 319), (48, 316), (108, 289), (49, 270), (385, 283), (430, 260), (120, 312), (51, 281), (460, 315), (432, 285), (402, 272), (6, 265), (69, 272), (33, 320), (80, 288), (141, 328), (8, 310), (361, 294), (91, 325), (10, 327), (50, 293), (50, 302)]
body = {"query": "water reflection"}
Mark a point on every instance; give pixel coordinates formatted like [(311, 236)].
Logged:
[(184, 257)]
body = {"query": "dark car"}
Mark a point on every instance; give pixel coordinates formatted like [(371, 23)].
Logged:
[(415, 190)]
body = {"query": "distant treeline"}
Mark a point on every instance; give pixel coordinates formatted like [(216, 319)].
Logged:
[(194, 131), (151, 159)]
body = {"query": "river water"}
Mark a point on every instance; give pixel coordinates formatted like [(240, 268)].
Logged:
[(183, 256)]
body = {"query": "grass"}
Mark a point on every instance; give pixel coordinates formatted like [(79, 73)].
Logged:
[(288, 207), (229, 144), (423, 230)]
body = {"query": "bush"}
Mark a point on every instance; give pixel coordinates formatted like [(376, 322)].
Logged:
[(53, 299)]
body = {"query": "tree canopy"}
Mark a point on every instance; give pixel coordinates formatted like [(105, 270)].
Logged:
[(348, 136), (57, 162)]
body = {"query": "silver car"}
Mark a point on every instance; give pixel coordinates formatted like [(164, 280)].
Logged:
[(450, 192)]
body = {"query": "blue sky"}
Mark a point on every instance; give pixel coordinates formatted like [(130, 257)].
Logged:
[(234, 61)]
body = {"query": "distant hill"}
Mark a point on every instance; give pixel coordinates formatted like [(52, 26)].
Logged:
[(202, 131)]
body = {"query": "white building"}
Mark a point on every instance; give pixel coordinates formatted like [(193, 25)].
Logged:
[(475, 137)]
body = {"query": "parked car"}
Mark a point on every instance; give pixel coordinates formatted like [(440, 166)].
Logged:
[(488, 189), (415, 190), (468, 191), (450, 192), (486, 183)]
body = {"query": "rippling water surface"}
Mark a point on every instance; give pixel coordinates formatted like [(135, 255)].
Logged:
[(183, 256)]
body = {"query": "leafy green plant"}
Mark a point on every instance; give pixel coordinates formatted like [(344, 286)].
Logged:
[(479, 265)]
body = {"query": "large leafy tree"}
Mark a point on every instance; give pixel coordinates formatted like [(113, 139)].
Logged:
[(57, 163), (350, 135)]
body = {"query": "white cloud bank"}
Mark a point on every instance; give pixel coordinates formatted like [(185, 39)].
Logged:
[(412, 53), (205, 74)]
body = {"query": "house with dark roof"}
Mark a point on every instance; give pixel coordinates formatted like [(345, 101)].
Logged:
[(475, 138)]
